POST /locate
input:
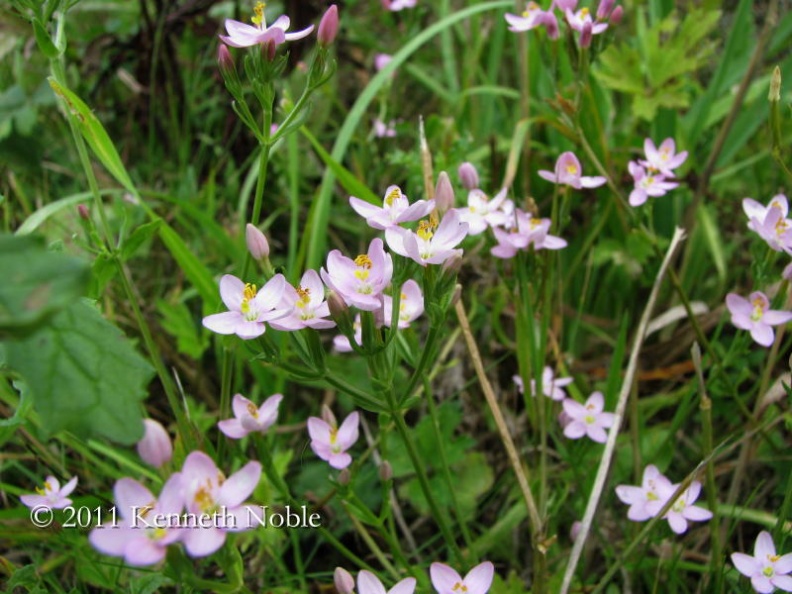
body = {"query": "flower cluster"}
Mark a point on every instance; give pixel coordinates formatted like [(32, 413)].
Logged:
[(770, 222), (654, 493), (579, 20), (445, 580), (650, 174)]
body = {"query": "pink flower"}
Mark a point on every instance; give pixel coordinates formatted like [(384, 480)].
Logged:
[(368, 583), (397, 5), (360, 282), (248, 307), (754, 314), (447, 581), (52, 495), (343, 580), (482, 212), (328, 26), (578, 20), (307, 304), (770, 222), (244, 35), (532, 17), (766, 569), (551, 385), (155, 448), (468, 176), (382, 60), (683, 509), (431, 244), (256, 241), (209, 494), (644, 501), (330, 442), (396, 209), (664, 159), (647, 185), (567, 172), (341, 343), (248, 418), (383, 130), (411, 305), (587, 419), (142, 536), (528, 231)]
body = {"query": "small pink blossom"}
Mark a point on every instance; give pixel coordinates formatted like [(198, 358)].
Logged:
[(578, 20), (244, 35), (766, 569), (644, 501), (587, 419), (368, 583), (51, 495), (382, 60), (343, 581), (249, 418), (397, 5), (411, 305), (529, 231), (396, 209), (307, 304), (139, 536), (384, 130), (360, 282), (330, 442), (446, 580), (683, 509), (432, 243), (328, 26), (754, 314), (663, 159), (552, 386), (770, 222), (248, 307), (647, 184), (257, 243), (533, 16), (568, 172), (481, 212), (155, 448)]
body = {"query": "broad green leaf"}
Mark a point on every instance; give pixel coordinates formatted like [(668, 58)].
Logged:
[(84, 376), (94, 133), (36, 283)]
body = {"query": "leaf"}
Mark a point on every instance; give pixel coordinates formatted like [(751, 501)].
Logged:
[(94, 133), (44, 41), (84, 376), (195, 270), (178, 322), (36, 283), (138, 237)]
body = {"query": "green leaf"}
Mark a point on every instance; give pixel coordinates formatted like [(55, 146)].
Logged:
[(36, 283), (94, 133), (44, 41), (179, 323), (138, 237), (195, 270), (84, 376)]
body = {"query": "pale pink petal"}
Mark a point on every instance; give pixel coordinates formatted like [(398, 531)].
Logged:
[(763, 334), (232, 428), (677, 522), (695, 513), (784, 582), (592, 182), (596, 433), (224, 323), (129, 493), (143, 552), (348, 431), (240, 405), (784, 564), (240, 485), (201, 542), (479, 579), (406, 586), (319, 430), (764, 546), (231, 292), (444, 578), (368, 583), (249, 330), (112, 540), (762, 584), (339, 460), (746, 564), (299, 34), (575, 430)]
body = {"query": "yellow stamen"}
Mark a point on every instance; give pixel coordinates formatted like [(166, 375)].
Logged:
[(305, 296), (258, 20), (363, 261), (571, 169), (425, 229), (394, 194), (252, 410), (248, 293), (458, 587), (584, 12), (47, 488)]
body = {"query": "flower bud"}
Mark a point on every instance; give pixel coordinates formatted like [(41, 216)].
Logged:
[(344, 582), (328, 26), (468, 176), (155, 448), (225, 62), (787, 274), (452, 265), (385, 471), (775, 86), (575, 530), (82, 210), (344, 477), (604, 9), (586, 35), (257, 243), (268, 50), (382, 60), (444, 193), (616, 15), (455, 296), (328, 416)]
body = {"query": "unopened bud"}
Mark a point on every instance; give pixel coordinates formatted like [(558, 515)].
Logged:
[(82, 210), (224, 61), (344, 477), (328, 416), (257, 243), (328, 27), (344, 582), (603, 10), (382, 60), (385, 471), (586, 35), (268, 50), (444, 193), (455, 296), (155, 448), (787, 274), (468, 176), (616, 15), (575, 530), (775, 86)]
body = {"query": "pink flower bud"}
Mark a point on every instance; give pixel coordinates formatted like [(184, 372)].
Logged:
[(328, 26), (344, 582), (382, 60), (224, 60), (586, 35), (155, 448), (328, 416), (385, 471), (344, 477), (468, 176), (787, 274), (82, 210), (257, 243), (616, 15), (604, 9), (444, 193), (575, 530)]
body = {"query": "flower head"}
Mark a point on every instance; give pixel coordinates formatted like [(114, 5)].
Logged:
[(307, 304), (578, 20), (383, 129), (446, 580), (568, 172), (360, 282), (533, 16), (140, 538), (468, 176), (771, 222), (647, 184), (663, 159), (368, 583), (766, 569), (528, 231), (249, 418), (257, 243), (330, 442), (396, 209), (244, 35), (552, 386), (432, 243), (587, 419), (343, 580), (248, 307), (644, 501), (411, 305), (52, 495), (155, 448), (328, 26), (754, 314), (481, 212), (683, 509)]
